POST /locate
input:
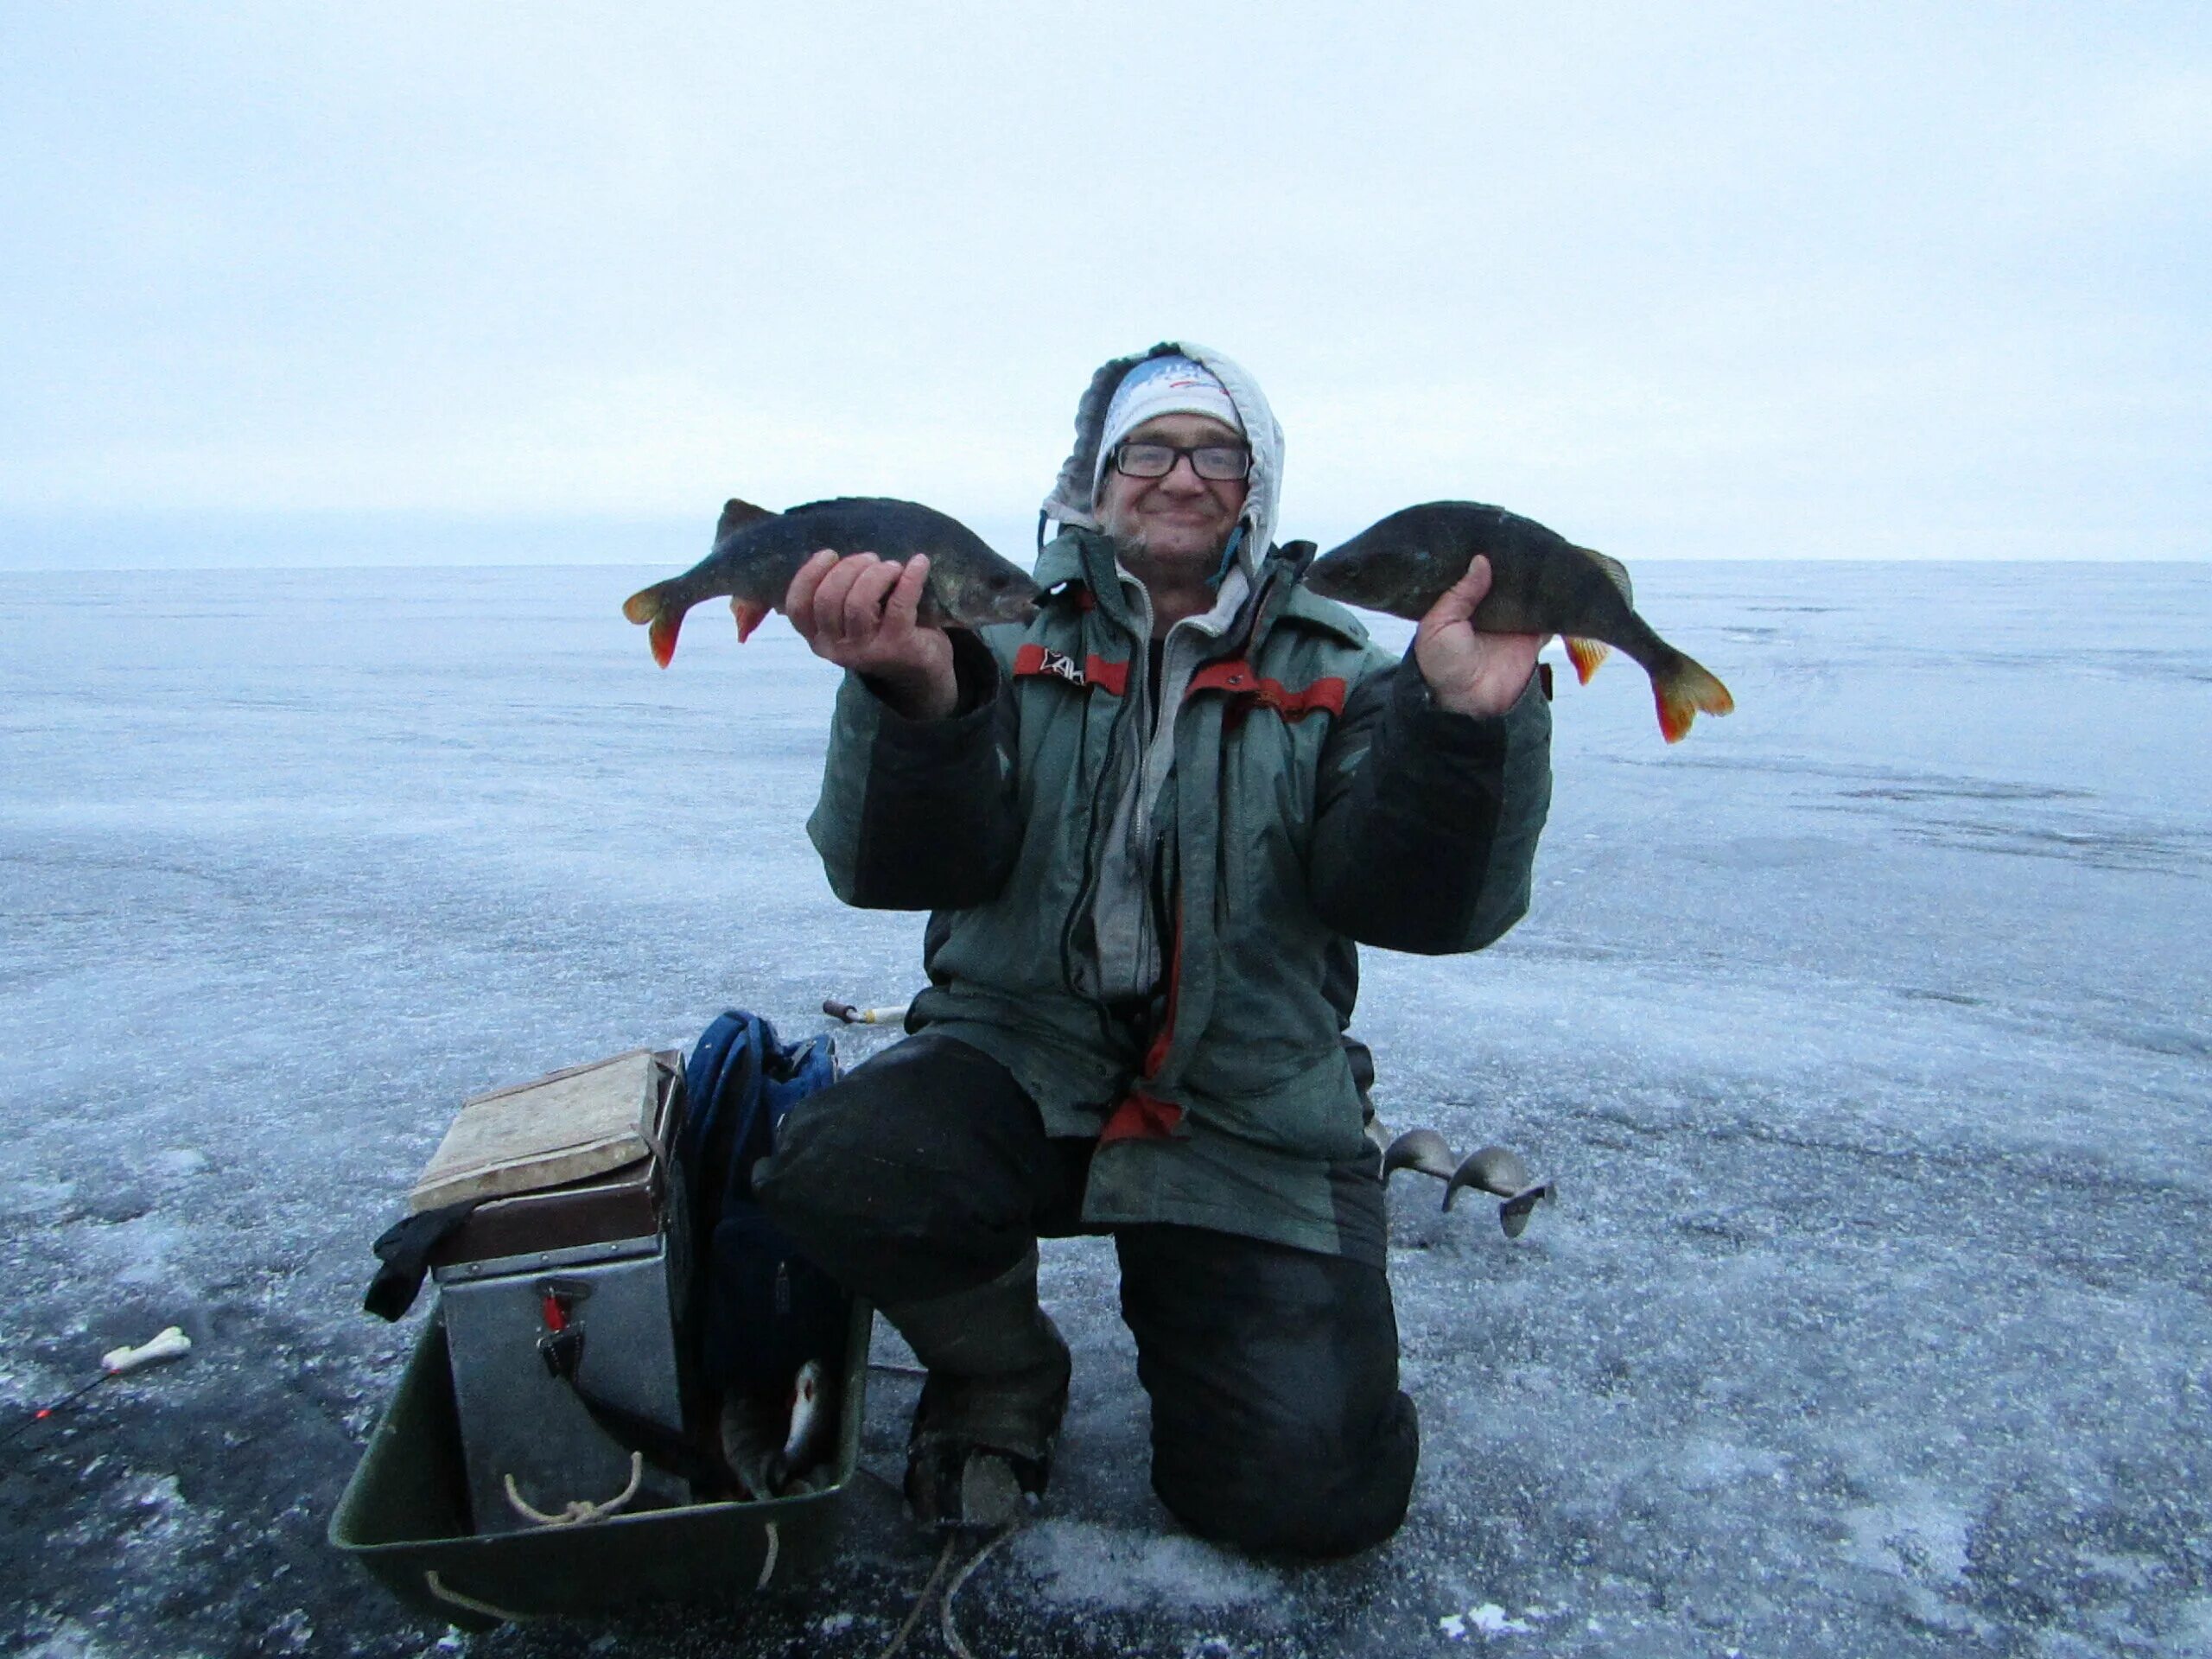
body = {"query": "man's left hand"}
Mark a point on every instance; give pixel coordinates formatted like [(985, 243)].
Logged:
[(1469, 672)]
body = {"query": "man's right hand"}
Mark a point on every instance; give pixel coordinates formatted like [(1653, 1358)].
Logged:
[(859, 613)]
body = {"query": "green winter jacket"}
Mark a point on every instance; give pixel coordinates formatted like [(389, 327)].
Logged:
[(1318, 798)]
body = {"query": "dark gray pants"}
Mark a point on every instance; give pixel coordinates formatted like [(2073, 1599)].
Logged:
[(1277, 1419)]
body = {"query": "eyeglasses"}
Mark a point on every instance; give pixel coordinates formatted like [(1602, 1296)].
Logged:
[(1221, 463)]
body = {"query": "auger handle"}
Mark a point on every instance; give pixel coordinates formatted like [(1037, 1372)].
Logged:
[(857, 1016)]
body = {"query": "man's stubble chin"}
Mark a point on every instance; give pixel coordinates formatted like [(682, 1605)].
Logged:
[(1129, 544), (1136, 549)]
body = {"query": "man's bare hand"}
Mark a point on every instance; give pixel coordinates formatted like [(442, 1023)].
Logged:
[(1468, 672), (859, 613)]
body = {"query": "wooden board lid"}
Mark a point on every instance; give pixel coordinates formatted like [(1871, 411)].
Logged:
[(565, 1127)]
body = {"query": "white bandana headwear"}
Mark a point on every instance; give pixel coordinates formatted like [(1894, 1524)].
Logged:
[(1168, 385)]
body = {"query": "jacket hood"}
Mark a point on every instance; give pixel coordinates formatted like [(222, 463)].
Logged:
[(1069, 502)]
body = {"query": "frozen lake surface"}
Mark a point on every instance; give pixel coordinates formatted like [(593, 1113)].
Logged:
[(1867, 1031)]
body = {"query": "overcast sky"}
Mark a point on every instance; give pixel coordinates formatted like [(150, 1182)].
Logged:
[(1748, 280)]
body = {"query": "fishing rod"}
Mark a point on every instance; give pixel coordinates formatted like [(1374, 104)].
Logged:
[(171, 1343)]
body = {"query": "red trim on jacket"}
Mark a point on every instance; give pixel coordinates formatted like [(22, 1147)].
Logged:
[(1141, 1117), (1034, 659), (1235, 678)]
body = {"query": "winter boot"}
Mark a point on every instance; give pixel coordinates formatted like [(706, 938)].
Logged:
[(990, 1411)]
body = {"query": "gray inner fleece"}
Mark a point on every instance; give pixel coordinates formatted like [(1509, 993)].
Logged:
[(1128, 932)]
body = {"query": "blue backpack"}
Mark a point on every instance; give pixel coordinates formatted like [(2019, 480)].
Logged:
[(763, 1309)]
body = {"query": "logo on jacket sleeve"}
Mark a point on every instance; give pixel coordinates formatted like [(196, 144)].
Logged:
[(1065, 666)]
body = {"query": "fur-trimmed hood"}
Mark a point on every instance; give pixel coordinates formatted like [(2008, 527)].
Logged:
[(1069, 502)]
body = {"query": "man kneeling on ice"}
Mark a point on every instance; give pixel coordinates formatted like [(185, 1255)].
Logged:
[(1151, 826)]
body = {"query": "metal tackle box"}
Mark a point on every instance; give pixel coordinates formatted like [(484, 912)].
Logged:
[(594, 1271), (486, 1491), (532, 1446)]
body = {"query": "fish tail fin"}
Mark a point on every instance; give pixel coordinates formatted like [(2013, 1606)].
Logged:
[(1586, 655), (662, 635), (651, 606), (1684, 690), (749, 614), (645, 604)]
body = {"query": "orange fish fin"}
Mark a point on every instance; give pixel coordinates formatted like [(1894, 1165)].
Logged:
[(644, 605), (737, 514), (1585, 654), (1684, 691), (750, 613), (662, 635)]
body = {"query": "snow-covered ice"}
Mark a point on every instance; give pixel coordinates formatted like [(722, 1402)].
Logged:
[(1867, 1031)]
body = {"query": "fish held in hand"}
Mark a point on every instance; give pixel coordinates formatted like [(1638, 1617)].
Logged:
[(758, 552), (1540, 583)]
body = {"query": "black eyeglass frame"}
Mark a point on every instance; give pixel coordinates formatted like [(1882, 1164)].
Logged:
[(1176, 452)]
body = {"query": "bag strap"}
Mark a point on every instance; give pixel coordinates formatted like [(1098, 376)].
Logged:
[(667, 1450)]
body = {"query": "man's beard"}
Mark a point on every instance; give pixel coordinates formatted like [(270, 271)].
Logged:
[(1132, 543)]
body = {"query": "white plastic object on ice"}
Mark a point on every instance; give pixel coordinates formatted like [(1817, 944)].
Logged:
[(172, 1344)]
